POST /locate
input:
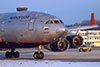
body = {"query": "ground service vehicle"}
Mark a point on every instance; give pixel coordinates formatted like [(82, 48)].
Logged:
[(85, 48)]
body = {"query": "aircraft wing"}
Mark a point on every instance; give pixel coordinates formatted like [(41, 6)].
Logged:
[(81, 27), (76, 28)]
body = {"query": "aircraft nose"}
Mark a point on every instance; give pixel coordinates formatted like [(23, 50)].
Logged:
[(60, 31)]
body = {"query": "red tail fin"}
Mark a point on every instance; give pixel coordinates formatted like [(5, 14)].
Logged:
[(92, 19)]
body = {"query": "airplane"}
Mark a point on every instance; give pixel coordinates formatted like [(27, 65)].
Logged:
[(30, 29)]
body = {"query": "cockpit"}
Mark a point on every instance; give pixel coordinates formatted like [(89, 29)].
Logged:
[(55, 21)]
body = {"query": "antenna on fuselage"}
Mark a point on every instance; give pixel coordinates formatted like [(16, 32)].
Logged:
[(21, 8)]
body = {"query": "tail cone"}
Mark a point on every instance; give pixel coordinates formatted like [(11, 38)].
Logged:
[(92, 19)]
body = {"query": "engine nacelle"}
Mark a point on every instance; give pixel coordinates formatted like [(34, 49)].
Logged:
[(58, 45), (75, 41)]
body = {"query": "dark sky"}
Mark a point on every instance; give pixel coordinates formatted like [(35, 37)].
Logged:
[(70, 11)]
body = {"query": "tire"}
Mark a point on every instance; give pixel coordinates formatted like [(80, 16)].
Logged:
[(41, 55), (36, 56), (8, 55), (16, 54)]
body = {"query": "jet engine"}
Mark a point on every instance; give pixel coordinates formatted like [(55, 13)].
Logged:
[(75, 41), (72, 41)]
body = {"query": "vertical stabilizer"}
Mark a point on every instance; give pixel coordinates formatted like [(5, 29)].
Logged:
[(93, 22)]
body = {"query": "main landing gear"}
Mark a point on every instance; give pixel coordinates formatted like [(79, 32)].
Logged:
[(39, 54), (12, 54)]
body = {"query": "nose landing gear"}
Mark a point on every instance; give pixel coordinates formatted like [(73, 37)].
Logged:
[(39, 54)]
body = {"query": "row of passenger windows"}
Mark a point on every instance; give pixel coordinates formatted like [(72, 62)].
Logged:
[(54, 21)]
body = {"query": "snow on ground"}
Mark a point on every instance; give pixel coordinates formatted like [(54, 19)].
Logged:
[(46, 63)]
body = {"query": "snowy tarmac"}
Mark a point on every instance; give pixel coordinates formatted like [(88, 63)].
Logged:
[(46, 63)]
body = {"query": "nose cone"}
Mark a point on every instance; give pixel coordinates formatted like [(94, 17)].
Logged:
[(60, 31)]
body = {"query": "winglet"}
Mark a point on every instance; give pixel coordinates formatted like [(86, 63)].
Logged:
[(93, 22)]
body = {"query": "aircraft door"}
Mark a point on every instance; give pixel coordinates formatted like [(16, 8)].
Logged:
[(31, 25), (2, 29)]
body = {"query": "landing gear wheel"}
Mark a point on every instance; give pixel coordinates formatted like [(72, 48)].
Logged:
[(35, 55), (12, 54), (38, 55), (16, 54), (8, 55), (41, 55)]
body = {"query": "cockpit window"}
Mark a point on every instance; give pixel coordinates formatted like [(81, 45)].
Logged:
[(49, 22), (56, 21), (61, 21)]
